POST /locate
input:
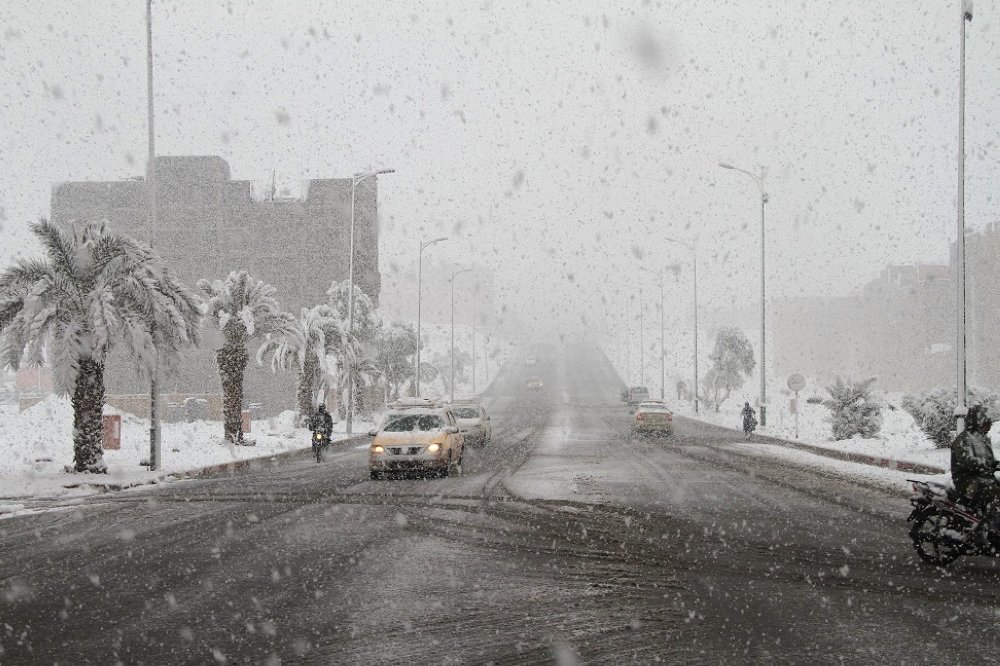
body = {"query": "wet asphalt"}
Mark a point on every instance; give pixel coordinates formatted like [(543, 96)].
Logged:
[(567, 541)]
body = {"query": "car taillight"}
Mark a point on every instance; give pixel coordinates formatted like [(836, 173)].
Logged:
[(638, 417), (670, 417)]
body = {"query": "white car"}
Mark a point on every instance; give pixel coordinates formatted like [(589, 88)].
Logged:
[(652, 417), (473, 422)]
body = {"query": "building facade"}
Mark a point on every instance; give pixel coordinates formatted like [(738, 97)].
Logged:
[(208, 224)]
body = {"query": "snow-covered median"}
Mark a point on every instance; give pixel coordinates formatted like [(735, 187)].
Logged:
[(37, 444)]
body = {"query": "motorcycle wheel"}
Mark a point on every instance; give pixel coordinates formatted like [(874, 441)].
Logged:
[(933, 546)]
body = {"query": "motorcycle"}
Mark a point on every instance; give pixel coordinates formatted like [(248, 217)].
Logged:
[(947, 525), (320, 441)]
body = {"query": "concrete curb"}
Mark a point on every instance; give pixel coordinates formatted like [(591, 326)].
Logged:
[(846, 456), (251, 464), (864, 458), (219, 469)]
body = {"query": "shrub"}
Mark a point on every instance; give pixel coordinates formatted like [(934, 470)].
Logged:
[(854, 411), (934, 411)]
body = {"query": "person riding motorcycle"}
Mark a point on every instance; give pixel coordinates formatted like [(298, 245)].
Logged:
[(321, 421), (973, 465), (749, 418)]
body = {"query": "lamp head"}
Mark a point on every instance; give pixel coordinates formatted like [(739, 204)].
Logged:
[(726, 165)]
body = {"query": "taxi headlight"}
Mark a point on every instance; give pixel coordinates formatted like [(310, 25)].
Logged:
[(378, 448), (434, 448)]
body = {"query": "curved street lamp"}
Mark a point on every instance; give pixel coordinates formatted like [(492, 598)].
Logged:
[(694, 290), (960, 389), (663, 368), (356, 180), (420, 273), (453, 275), (759, 181)]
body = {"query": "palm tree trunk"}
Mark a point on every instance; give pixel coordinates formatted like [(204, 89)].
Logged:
[(232, 360), (88, 405), (304, 394)]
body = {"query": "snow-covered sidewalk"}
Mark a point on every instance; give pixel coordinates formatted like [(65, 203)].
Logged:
[(900, 447), (36, 445)]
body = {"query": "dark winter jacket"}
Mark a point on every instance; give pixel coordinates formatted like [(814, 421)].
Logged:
[(321, 422), (972, 459), (749, 417)]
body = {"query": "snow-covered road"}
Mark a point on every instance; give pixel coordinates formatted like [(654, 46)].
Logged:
[(566, 541)]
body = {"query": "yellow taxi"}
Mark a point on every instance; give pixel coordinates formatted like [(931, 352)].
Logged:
[(416, 435)]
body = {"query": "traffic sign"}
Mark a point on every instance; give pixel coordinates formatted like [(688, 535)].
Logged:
[(796, 382)]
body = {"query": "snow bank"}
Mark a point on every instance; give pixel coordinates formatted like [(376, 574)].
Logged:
[(900, 437), (37, 444)]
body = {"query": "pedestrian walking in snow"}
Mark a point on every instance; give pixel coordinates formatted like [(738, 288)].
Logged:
[(749, 419)]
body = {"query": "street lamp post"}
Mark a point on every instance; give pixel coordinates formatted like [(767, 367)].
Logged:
[(642, 351), (759, 180), (663, 355), (694, 267), (961, 390), (155, 440), (475, 297), (420, 273), (628, 340), (356, 180), (453, 275)]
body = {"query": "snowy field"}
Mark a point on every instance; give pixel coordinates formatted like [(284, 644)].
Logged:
[(36, 445)]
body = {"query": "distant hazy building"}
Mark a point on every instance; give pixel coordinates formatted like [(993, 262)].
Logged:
[(209, 225), (982, 256), (900, 328)]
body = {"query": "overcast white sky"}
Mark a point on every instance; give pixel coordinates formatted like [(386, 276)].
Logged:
[(556, 142)]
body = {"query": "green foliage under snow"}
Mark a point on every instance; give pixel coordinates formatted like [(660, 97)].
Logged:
[(854, 410), (934, 411)]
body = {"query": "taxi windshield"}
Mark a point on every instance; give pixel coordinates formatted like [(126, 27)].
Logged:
[(411, 422)]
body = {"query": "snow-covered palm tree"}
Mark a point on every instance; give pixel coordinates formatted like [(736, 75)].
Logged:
[(395, 345), (353, 355), (354, 362), (93, 291), (306, 348), (243, 309)]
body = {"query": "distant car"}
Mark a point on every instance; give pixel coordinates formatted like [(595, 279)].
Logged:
[(652, 418), (535, 384), (473, 422), (416, 436), (530, 360), (637, 394)]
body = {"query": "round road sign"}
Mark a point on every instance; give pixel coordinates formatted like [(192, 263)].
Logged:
[(796, 382)]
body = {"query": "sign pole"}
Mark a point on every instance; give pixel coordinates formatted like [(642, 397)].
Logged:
[(796, 415)]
